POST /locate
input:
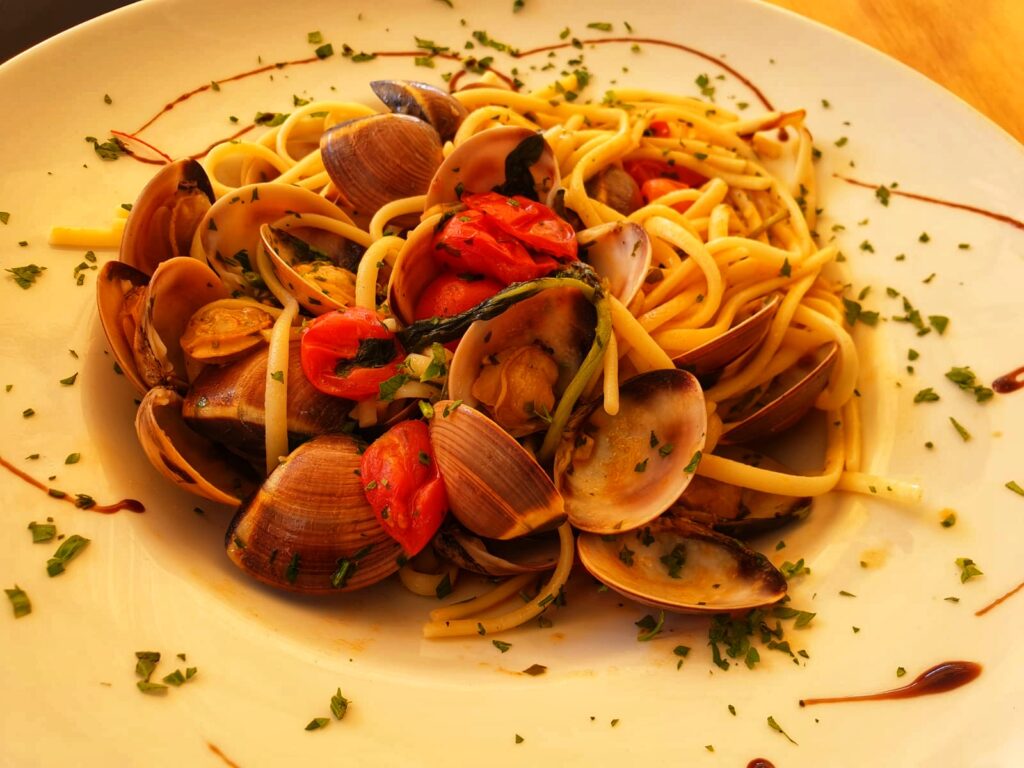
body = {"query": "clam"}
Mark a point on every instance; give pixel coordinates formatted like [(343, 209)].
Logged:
[(226, 403), (782, 403), (309, 529), (185, 457), (415, 268), (518, 364), (738, 511), (526, 554), (620, 252), (495, 487), (178, 288), (749, 328), (166, 215), (119, 293), (224, 331), (620, 472), (512, 160), (321, 279), (678, 565), (229, 234), (616, 189), (377, 159), (422, 101)]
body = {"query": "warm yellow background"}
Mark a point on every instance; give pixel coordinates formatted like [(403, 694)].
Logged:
[(974, 48)]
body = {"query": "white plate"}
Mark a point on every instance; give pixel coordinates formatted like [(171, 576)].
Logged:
[(268, 663)]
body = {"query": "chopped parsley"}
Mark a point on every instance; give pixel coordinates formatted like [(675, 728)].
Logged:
[(967, 381), (26, 276), (67, 551), (650, 627), (926, 395), (317, 723), (882, 193), (694, 463), (855, 312), (792, 570), (70, 379), (776, 727), (968, 569), (706, 89), (501, 645), (1015, 487), (961, 430), (339, 705), (949, 520), (19, 601)]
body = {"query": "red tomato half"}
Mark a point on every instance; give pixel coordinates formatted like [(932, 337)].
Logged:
[(448, 295), (402, 483), (659, 129), (532, 223), (349, 353), (644, 170)]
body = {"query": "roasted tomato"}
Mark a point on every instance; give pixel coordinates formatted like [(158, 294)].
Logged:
[(449, 294), (402, 483), (350, 353)]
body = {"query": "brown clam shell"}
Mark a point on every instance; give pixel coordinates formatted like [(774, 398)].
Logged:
[(789, 397), (681, 566), (309, 529), (377, 159), (754, 323), (490, 557), (422, 101), (185, 457), (495, 487), (119, 293), (165, 215)]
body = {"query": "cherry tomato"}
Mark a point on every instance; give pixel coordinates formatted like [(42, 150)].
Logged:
[(532, 223), (655, 188), (402, 483), (449, 294), (644, 170), (659, 129), (506, 238), (349, 353)]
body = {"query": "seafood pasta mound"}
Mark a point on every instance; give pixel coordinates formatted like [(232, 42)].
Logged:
[(494, 332)]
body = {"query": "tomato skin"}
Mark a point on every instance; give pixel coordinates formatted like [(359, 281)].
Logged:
[(336, 337), (448, 295), (659, 129), (655, 188), (402, 483), (506, 238), (645, 170)]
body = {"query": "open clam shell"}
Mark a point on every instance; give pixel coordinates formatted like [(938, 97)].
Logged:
[(415, 268), (377, 159), (320, 280), (165, 215), (737, 511), (120, 290), (680, 566), (309, 529), (422, 101), (229, 234), (748, 330), (785, 401), (495, 486), (185, 457), (620, 252), (616, 189), (486, 161), (226, 403), (490, 557), (179, 287), (620, 472), (517, 365)]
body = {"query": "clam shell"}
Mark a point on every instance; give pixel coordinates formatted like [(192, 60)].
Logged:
[(527, 554), (478, 165), (178, 288), (560, 322), (415, 268), (495, 487), (788, 398), (616, 189), (377, 159), (736, 511), (422, 101), (165, 215), (713, 572), (620, 472), (185, 457), (309, 529), (229, 234), (119, 293), (226, 403), (218, 335), (620, 252), (754, 322), (329, 284)]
